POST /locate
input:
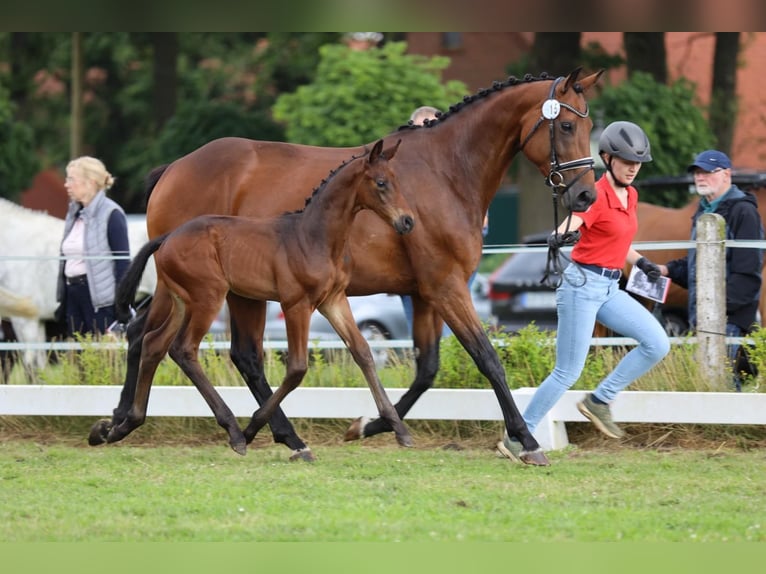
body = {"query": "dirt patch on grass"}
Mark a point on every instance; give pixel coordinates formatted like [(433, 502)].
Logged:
[(455, 435)]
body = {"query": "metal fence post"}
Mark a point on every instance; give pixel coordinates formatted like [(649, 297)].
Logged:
[(711, 300)]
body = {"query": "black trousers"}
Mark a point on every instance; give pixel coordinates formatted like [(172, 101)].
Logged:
[(81, 317)]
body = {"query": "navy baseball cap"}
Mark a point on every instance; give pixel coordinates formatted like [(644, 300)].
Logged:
[(710, 160)]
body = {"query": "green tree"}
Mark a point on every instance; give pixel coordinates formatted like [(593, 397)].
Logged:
[(358, 96), (670, 115), (18, 161)]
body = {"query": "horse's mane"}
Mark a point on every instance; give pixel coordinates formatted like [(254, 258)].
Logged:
[(333, 172), (480, 94)]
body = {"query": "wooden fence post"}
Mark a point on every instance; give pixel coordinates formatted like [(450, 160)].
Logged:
[(711, 300)]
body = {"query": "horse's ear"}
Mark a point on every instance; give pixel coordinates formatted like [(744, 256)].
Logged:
[(571, 79), (584, 84), (377, 149), (390, 152)]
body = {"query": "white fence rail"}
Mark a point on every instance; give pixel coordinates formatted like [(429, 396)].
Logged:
[(436, 404)]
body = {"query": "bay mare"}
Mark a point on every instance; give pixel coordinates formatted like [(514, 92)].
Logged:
[(449, 170), (296, 258)]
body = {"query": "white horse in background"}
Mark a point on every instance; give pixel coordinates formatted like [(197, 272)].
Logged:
[(29, 263)]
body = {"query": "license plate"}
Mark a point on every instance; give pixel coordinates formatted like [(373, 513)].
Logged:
[(538, 300)]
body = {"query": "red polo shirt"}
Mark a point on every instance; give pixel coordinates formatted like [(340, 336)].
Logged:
[(608, 228)]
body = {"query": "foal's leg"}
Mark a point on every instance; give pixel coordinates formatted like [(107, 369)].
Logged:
[(184, 350), (297, 320), (427, 329), (247, 323), (338, 313), (135, 336)]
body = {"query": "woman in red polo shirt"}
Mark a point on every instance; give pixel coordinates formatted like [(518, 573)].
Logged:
[(590, 290)]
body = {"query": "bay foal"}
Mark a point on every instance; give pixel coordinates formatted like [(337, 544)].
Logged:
[(298, 259)]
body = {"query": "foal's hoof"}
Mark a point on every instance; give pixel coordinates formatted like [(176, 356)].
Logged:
[(356, 430), (535, 457), (303, 454), (99, 431)]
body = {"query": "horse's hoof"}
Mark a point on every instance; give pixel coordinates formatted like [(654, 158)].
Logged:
[(535, 457), (240, 447), (114, 436), (404, 440), (356, 430), (99, 431), (303, 454)]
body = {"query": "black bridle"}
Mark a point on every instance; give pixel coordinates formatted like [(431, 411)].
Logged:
[(550, 111)]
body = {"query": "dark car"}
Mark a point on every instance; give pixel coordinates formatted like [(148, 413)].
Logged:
[(516, 295)]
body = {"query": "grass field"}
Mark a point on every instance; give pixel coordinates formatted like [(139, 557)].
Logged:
[(183, 489)]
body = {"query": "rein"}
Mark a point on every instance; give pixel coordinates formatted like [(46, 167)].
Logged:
[(551, 109)]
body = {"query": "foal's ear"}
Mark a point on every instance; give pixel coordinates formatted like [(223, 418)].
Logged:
[(377, 149), (390, 152)]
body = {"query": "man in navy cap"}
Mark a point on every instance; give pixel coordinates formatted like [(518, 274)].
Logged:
[(712, 179)]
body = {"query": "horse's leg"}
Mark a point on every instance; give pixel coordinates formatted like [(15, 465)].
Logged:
[(30, 330), (135, 335), (162, 324), (184, 350), (455, 306), (338, 312), (297, 322), (248, 318), (427, 328)]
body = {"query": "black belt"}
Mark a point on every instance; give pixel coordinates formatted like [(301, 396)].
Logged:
[(603, 271), (77, 280)]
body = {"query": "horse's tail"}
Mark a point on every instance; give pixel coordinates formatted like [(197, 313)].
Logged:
[(152, 179), (126, 290)]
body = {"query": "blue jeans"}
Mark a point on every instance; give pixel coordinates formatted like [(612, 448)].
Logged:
[(583, 298)]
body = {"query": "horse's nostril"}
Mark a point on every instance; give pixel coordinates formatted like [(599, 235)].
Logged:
[(405, 224), (582, 201)]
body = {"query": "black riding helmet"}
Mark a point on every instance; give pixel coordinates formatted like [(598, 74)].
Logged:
[(625, 140)]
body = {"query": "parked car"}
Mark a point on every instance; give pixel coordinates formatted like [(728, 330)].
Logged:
[(518, 298), (380, 317)]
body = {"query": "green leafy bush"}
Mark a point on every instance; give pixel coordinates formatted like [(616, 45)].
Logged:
[(18, 160), (358, 96)]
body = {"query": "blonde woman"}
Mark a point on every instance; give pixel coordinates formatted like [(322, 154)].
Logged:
[(95, 236)]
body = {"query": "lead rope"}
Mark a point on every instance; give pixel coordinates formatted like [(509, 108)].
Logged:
[(555, 180)]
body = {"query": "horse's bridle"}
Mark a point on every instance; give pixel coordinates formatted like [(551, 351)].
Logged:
[(550, 110)]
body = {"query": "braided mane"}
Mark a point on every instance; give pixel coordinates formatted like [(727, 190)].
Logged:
[(480, 94), (326, 180)]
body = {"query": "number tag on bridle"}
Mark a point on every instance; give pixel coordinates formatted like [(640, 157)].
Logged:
[(551, 109)]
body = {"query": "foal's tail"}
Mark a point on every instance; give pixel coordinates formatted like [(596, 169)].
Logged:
[(126, 290)]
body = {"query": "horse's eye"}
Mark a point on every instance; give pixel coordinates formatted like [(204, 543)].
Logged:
[(381, 183), (566, 127)]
